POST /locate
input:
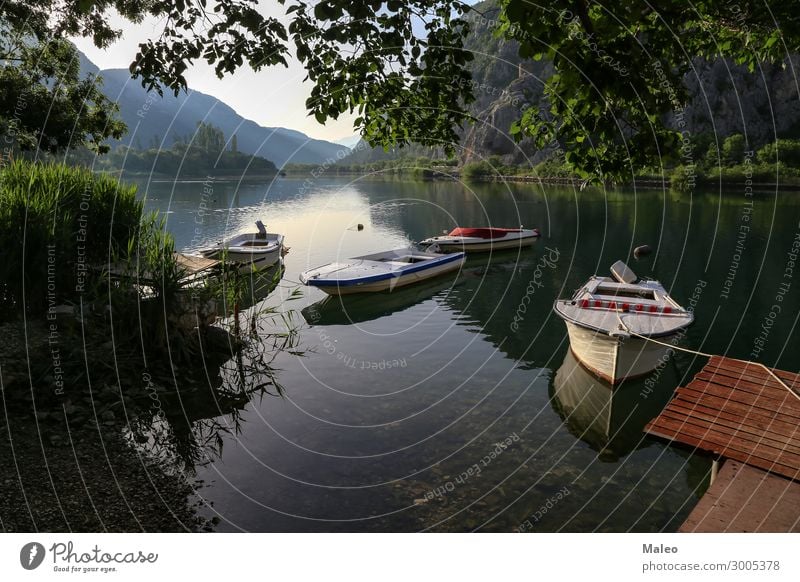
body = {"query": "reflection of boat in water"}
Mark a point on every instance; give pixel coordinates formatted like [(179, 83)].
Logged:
[(343, 310), (609, 419), (610, 322), (258, 285)]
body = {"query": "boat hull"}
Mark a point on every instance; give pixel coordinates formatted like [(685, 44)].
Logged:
[(389, 284), (249, 262), (481, 240), (489, 245), (615, 359)]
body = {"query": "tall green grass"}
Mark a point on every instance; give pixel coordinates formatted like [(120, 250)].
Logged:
[(59, 226)]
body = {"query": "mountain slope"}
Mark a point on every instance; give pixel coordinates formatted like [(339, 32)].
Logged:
[(154, 120)]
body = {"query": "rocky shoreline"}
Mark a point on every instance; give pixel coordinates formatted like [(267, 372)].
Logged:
[(83, 458), (89, 480)]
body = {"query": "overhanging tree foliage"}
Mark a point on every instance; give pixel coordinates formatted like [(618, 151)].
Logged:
[(44, 104), (362, 56), (619, 70), (619, 66)]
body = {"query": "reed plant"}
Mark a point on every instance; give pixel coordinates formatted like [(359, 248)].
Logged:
[(58, 226)]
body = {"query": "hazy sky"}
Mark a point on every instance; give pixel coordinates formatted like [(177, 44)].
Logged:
[(273, 97)]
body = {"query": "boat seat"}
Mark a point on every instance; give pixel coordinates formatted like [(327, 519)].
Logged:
[(623, 273)]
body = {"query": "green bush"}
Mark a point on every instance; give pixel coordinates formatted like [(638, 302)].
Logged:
[(478, 170), (682, 179), (733, 149), (552, 168), (783, 150)]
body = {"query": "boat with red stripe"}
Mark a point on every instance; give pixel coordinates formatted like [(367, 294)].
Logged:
[(610, 322), (482, 239)]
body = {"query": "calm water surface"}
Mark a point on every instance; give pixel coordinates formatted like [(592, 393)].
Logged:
[(455, 405)]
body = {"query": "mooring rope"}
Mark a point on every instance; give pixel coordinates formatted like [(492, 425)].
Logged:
[(769, 370)]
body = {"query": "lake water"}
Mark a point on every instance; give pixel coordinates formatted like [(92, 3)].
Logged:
[(427, 409)]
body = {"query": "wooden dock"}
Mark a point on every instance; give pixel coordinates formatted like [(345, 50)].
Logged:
[(737, 410), (745, 499), (740, 412), (191, 268)]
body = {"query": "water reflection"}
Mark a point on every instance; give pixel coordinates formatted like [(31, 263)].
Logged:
[(361, 308), (347, 309), (610, 421), (489, 339), (183, 421)]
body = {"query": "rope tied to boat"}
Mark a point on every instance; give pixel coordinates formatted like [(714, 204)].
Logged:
[(699, 353)]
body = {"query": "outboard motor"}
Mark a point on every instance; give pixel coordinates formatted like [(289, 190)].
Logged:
[(623, 273)]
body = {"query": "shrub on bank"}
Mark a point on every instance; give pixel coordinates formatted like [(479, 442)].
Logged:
[(552, 168), (786, 151), (478, 170)]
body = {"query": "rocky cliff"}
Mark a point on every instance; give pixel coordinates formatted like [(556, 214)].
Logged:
[(725, 98)]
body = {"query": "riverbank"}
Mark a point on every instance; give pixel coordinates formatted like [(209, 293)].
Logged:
[(59, 478), (641, 183), (228, 176), (91, 438)]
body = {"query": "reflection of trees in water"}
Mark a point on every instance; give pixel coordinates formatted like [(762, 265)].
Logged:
[(428, 208), (186, 426)]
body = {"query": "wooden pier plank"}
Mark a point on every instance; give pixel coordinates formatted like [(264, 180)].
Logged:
[(722, 403), (786, 405), (755, 432), (792, 379), (737, 410), (677, 436), (744, 383), (732, 446), (747, 435), (746, 499), (755, 422)]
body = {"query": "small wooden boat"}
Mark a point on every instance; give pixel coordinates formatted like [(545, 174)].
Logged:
[(611, 320), (253, 250), (381, 271), (483, 239)]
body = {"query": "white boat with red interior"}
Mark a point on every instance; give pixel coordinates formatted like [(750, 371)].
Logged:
[(612, 322), (483, 239)]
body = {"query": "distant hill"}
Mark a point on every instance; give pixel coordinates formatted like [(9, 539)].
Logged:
[(151, 119)]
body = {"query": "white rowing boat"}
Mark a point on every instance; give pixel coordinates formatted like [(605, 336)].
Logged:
[(483, 239), (253, 250), (381, 271), (612, 321)]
